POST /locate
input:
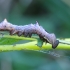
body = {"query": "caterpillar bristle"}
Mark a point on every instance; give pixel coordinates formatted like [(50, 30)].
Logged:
[(28, 30), (37, 23), (5, 20)]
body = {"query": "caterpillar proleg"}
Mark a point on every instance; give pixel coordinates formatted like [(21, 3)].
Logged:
[(28, 30)]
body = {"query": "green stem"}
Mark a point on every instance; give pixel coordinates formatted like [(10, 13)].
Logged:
[(64, 42), (32, 45)]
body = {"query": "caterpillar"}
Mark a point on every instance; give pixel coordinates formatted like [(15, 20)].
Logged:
[(28, 30)]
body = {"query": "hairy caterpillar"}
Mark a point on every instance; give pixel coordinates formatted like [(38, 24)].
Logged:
[(28, 30)]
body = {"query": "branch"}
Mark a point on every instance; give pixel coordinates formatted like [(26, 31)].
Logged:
[(32, 45)]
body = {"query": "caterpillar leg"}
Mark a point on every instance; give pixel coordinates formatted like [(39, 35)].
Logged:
[(12, 32), (44, 40), (29, 34), (19, 33), (25, 34)]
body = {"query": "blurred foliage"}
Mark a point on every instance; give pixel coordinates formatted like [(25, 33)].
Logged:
[(53, 15)]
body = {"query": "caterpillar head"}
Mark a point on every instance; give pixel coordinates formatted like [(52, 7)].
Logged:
[(5, 25), (52, 40)]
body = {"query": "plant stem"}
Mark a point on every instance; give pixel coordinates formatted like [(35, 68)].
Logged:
[(64, 42)]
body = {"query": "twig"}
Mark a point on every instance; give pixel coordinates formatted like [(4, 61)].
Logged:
[(64, 42)]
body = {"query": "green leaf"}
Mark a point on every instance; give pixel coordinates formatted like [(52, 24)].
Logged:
[(39, 42), (11, 41)]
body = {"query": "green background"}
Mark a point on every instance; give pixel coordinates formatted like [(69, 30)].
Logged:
[(54, 16)]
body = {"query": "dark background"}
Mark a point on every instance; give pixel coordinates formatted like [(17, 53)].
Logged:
[(54, 16)]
